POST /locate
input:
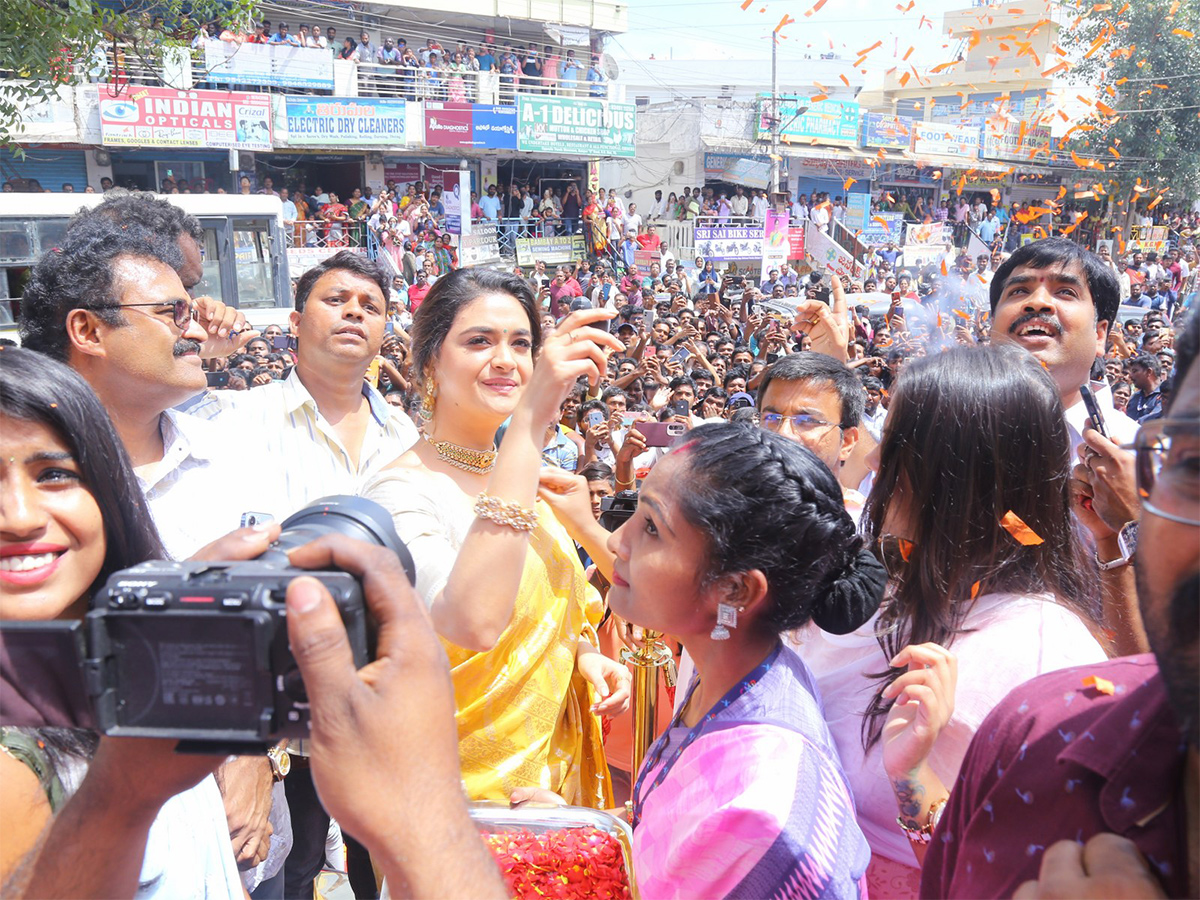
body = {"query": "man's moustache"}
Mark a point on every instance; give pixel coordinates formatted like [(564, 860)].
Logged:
[(186, 345)]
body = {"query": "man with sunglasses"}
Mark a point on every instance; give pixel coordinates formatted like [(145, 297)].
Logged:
[(111, 303), (1088, 780)]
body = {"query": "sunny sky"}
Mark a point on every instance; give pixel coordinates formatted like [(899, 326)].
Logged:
[(721, 29)]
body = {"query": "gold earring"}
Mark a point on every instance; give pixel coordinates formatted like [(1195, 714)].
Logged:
[(428, 402)]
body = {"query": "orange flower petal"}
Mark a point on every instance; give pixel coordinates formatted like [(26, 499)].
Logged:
[(1102, 685), (1022, 533)]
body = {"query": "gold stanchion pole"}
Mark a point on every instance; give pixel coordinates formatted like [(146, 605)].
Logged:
[(647, 661)]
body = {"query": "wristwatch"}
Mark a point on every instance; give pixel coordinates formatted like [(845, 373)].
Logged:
[(1126, 544), (281, 763)]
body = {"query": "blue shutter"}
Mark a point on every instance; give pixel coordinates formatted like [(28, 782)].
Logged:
[(51, 167)]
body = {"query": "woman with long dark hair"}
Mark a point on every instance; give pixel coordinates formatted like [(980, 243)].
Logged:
[(971, 514), (502, 579), (71, 514), (740, 536)]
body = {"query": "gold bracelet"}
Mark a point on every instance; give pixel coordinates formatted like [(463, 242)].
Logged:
[(511, 514)]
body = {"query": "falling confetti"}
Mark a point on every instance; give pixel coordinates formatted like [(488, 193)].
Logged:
[(1022, 533)]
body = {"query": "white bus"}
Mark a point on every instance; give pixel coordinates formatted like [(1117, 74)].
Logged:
[(244, 249)]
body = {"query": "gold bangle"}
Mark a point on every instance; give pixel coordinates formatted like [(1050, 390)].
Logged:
[(511, 514)]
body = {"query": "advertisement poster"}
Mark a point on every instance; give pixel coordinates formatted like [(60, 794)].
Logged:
[(775, 246), (457, 200), (946, 140), (267, 65), (888, 132), (720, 244), (883, 227), (348, 122), (301, 259), (162, 117), (1147, 237), (858, 211), (928, 234), (826, 256), (801, 119), (481, 247), (796, 242), (644, 259), (575, 127), (550, 250), (443, 175)]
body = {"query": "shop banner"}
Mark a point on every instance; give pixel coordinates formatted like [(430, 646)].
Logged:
[(883, 227), (494, 127), (575, 127), (796, 242), (162, 117), (441, 173), (721, 244), (837, 168), (826, 255), (481, 247), (1016, 141), (802, 119), (748, 171), (551, 250), (268, 65), (470, 125), (347, 122), (945, 140), (775, 246), (928, 234), (888, 132)]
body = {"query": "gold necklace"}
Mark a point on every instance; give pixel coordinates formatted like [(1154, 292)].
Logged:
[(478, 461)]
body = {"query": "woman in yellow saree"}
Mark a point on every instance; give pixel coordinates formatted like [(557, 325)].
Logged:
[(499, 574)]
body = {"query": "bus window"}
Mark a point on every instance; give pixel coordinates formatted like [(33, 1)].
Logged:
[(50, 233), (16, 244), (209, 284), (252, 252)]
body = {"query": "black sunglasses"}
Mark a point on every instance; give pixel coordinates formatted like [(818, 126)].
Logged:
[(182, 311)]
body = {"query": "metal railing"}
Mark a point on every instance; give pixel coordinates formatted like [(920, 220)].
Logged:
[(183, 69), (325, 233)]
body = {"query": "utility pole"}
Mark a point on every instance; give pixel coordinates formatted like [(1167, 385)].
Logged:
[(774, 186)]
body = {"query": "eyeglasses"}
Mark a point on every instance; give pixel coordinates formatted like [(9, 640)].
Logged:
[(1168, 452), (800, 423), (182, 311), (894, 552)]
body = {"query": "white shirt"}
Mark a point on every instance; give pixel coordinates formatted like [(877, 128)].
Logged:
[(873, 422), (820, 217), (1121, 429), (204, 483), (739, 203), (760, 207), (657, 209), (633, 222), (799, 211), (282, 417), (1016, 637)]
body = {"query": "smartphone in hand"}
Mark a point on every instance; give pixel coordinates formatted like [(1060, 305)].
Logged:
[(1093, 410)]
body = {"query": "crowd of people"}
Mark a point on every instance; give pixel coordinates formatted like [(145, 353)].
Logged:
[(896, 549), (462, 71)]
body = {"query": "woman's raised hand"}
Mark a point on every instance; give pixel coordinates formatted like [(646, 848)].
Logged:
[(924, 698), (574, 349)]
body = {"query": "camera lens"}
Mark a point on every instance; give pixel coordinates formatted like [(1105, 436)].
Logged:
[(356, 517)]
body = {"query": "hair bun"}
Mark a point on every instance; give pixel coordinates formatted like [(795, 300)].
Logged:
[(854, 595)]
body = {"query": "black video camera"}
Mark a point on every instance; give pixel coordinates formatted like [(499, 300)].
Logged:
[(196, 651), (616, 510)]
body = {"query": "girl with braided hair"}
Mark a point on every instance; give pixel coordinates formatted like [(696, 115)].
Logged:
[(740, 535)]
